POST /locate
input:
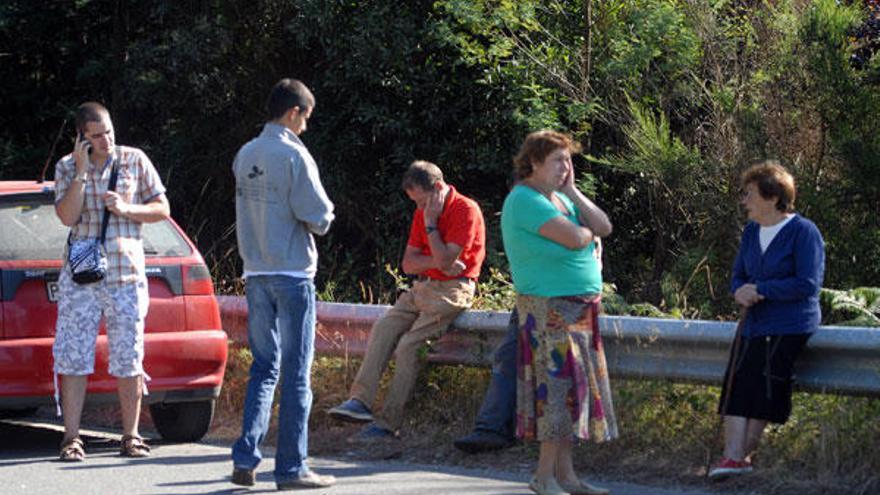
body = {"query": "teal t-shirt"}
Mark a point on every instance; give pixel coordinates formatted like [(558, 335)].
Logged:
[(539, 266)]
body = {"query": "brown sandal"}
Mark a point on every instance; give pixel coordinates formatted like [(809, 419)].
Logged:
[(72, 450), (132, 446)]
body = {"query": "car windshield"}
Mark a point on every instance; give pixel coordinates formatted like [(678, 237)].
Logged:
[(32, 231)]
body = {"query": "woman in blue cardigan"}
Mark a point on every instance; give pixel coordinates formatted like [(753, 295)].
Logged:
[(776, 279)]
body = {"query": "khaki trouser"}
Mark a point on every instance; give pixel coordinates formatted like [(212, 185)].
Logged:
[(420, 314)]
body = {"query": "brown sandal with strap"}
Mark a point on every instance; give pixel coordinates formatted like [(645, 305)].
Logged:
[(132, 446), (72, 450)]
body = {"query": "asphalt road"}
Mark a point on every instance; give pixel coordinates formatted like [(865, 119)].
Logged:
[(28, 466)]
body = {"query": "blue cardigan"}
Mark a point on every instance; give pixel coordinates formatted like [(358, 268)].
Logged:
[(789, 275)]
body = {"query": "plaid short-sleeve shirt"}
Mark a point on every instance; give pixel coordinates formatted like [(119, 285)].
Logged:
[(137, 183)]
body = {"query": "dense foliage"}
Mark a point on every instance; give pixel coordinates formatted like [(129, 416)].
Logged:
[(671, 98)]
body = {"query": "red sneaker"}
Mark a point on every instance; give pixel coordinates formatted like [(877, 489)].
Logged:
[(729, 467)]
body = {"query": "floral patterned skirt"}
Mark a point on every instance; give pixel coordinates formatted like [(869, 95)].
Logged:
[(562, 387)]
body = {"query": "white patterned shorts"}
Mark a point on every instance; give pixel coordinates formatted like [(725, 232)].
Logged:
[(80, 307)]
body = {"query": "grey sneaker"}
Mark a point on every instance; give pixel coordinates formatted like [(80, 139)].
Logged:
[(309, 480), (352, 411), (372, 432)]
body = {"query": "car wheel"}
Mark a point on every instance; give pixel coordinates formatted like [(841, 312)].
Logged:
[(182, 421), (17, 413)]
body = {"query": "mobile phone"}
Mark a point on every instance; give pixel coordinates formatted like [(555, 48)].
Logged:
[(82, 137)]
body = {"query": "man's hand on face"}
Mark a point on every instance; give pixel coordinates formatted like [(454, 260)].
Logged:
[(434, 206), (116, 204)]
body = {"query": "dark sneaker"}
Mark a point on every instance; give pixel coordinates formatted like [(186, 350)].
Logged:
[(483, 441), (373, 432), (353, 411), (309, 480), (729, 467), (243, 477)]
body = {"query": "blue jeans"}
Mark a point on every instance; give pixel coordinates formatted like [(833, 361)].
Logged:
[(281, 333), (498, 412)]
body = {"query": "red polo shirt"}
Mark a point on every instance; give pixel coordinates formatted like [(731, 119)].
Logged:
[(461, 223)]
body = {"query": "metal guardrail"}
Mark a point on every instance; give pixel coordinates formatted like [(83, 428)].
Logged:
[(839, 360)]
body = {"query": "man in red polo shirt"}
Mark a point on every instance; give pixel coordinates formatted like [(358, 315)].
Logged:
[(446, 248)]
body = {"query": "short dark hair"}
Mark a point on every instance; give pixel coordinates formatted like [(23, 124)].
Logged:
[(286, 94), (90, 111), (421, 174), (537, 146), (772, 181)]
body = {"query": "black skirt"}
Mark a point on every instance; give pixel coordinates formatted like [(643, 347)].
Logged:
[(763, 375)]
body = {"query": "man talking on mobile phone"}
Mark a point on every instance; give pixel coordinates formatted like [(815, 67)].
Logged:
[(84, 196)]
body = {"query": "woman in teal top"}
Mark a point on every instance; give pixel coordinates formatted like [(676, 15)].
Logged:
[(539, 265), (550, 230)]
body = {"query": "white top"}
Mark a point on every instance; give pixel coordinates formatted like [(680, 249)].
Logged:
[(766, 234)]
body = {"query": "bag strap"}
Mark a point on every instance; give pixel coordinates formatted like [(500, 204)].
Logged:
[(114, 173)]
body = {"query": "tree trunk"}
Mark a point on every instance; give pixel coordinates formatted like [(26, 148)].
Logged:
[(586, 64), (587, 56)]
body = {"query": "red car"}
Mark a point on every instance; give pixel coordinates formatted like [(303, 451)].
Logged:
[(185, 345)]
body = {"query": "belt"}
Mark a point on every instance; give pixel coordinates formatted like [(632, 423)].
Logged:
[(425, 278)]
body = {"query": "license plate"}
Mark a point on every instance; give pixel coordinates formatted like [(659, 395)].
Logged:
[(52, 290)]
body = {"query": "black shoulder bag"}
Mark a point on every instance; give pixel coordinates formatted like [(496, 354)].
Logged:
[(88, 257)]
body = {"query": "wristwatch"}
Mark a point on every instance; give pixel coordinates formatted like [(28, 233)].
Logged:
[(80, 178), (430, 228)]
